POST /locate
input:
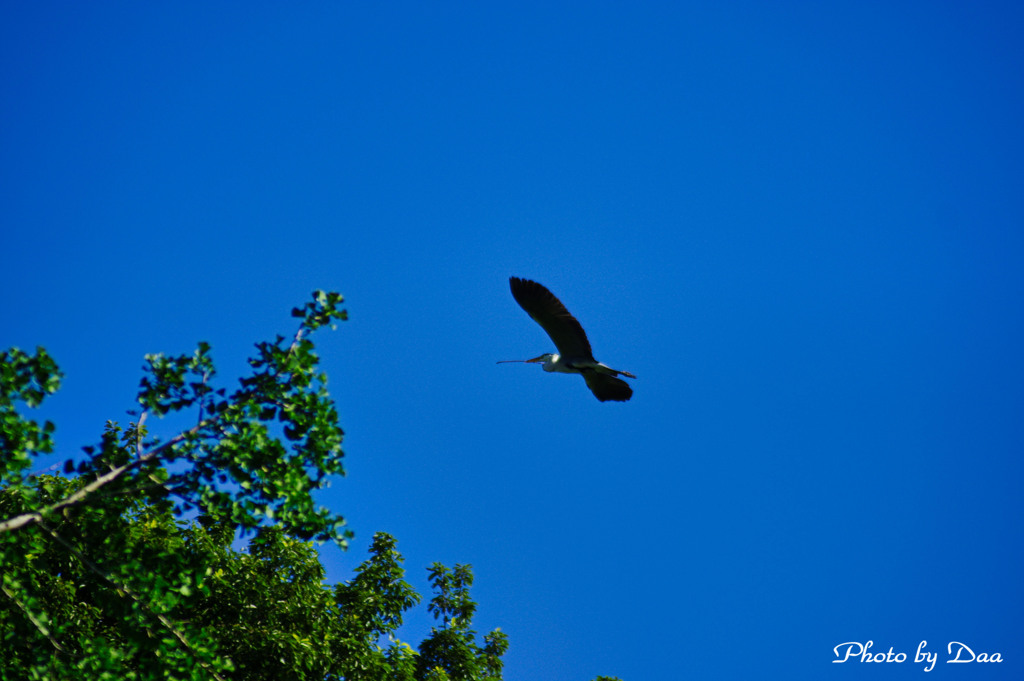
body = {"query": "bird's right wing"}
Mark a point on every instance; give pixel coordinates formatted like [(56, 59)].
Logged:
[(607, 387), (548, 311)]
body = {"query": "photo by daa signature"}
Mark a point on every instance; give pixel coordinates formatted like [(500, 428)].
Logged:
[(957, 652)]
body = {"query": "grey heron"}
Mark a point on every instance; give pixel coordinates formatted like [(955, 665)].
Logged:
[(574, 354)]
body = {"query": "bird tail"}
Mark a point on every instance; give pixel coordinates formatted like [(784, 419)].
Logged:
[(605, 369)]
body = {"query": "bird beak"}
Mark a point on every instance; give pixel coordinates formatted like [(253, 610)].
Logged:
[(527, 361)]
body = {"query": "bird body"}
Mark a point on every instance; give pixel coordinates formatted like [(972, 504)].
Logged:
[(574, 354), (555, 362)]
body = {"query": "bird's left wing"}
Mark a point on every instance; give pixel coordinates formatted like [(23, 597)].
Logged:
[(548, 311)]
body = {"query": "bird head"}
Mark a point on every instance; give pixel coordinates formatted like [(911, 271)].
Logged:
[(546, 357)]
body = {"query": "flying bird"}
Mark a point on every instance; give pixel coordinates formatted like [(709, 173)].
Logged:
[(574, 354)]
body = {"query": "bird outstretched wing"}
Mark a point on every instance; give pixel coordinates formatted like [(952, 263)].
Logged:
[(607, 387), (548, 311)]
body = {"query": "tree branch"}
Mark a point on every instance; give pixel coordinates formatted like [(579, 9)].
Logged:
[(124, 589), (34, 620), (79, 497)]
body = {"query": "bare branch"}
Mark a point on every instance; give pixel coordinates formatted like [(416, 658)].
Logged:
[(139, 431), (105, 479)]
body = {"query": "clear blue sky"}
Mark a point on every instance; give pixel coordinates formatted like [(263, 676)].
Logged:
[(801, 225)]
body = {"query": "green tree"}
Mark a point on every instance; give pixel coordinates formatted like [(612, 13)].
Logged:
[(450, 652), (125, 567)]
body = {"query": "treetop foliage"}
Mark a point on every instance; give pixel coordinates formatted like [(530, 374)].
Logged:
[(126, 566)]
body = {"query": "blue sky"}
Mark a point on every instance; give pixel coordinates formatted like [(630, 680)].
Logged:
[(801, 225)]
